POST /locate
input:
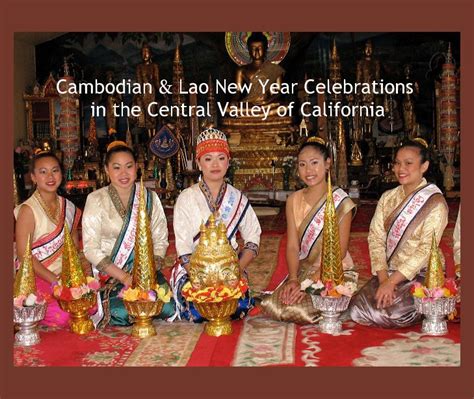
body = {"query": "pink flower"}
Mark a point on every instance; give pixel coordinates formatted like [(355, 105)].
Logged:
[(76, 292), (18, 301), (152, 295), (438, 293), (93, 284)]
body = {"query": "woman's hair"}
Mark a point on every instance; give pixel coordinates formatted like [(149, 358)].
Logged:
[(317, 143), (418, 143), (118, 146), (257, 37), (44, 154)]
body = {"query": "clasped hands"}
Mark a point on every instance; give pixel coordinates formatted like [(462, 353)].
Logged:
[(290, 293)]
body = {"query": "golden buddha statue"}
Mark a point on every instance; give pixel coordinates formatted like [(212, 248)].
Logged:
[(112, 100), (147, 73), (256, 140), (259, 72)]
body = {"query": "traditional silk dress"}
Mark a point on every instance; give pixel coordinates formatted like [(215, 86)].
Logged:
[(47, 247), (309, 222), (400, 239), (108, 231), (194, 206)]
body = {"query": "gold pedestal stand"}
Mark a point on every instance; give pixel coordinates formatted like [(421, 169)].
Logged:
[(143, 312), (80, 321), (218, 314)]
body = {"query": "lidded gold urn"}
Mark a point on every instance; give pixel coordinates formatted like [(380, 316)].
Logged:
[(214, 272)]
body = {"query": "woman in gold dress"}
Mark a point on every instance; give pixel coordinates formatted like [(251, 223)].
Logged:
[(305, 219), (400, 239)]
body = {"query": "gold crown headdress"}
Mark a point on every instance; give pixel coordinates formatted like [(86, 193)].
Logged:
[(420, 141), (117, 143), (316, 139)]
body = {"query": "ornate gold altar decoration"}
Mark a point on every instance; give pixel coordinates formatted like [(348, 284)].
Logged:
[(367, 71), (28, 310), (72, 277), (143, 276), (178, 81), (214, 267), (255, 142), (434, 277), (334, 77), (69, 134), (341, 168), (331, 262), (92, 143), (170, 179), (448, 118), (211, 99)]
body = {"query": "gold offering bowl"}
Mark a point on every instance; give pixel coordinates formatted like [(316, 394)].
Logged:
[(218, 314), (80, 322), (143, 311)]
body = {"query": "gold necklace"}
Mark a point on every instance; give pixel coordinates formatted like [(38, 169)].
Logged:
[(53, 217)]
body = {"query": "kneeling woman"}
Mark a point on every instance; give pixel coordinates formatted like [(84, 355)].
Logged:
[(212, 195), (108, 226), (45, 215), (305, 221), (400, 240)]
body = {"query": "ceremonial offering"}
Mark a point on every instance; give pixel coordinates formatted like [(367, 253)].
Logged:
[(28, 309), (215, 285), (75, 293), (437, 297), (330, 295), (145, 298)]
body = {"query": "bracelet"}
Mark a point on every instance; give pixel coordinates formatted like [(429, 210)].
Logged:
[(293, 279)]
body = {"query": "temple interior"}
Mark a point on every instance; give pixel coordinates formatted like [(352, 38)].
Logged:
[(191, 76)]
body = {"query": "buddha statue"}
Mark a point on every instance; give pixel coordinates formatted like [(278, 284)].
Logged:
[(256, 140), (112, 100), (147, 72), (259, 72)]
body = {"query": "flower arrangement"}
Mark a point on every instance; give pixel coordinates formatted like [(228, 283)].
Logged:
[(136, 294), (213, 294), (329, 288), (24, 301), (449, 289), (70, 294)]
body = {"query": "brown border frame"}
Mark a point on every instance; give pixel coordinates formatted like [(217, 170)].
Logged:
[(213, 15)]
